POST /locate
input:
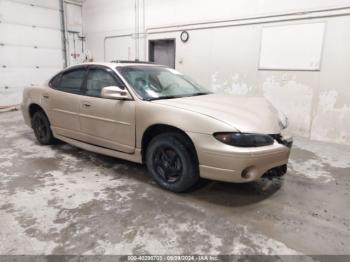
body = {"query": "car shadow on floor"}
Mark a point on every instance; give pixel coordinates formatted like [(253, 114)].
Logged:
[(237, 194), (214, 192)]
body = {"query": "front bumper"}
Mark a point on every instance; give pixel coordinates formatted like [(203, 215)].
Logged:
[(218, 161)]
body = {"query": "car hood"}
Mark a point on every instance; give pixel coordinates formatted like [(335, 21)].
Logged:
[(246, 114)]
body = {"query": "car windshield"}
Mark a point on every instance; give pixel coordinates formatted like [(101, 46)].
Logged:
[(155, 82)]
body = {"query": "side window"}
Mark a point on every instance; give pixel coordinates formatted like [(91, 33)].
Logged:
[(71, 81), (98, 79), (55, 81)]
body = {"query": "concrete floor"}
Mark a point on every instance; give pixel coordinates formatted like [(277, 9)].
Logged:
[(63, 200)]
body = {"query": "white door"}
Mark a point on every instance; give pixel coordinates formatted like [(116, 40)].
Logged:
[(31, 48)]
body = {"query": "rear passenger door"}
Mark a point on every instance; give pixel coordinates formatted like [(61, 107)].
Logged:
[(63, 100), (104, 122)]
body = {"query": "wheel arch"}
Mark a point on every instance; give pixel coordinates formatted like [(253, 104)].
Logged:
[(158, 129), (33, 108)]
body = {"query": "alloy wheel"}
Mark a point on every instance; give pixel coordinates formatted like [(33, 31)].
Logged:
[(167, 164)]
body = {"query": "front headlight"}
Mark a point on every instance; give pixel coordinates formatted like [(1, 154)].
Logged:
[(244, 139)]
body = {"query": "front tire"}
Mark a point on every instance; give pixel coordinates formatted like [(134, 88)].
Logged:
[(42, 128), (172, 163)]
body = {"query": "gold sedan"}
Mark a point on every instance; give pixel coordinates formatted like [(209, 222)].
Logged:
[(155, 115)]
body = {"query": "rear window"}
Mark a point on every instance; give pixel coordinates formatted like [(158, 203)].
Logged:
[(54, 83), (72, 81)]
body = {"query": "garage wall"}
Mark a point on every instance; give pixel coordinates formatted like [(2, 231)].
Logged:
[(32, 46), (223, 52)]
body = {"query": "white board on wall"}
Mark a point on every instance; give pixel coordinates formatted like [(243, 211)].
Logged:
[(292, 47)]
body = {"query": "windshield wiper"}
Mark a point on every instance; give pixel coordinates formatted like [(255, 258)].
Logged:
[(163, 97), (180, 96), (201, 93)]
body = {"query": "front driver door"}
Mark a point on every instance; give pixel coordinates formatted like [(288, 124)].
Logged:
[(106, 122)]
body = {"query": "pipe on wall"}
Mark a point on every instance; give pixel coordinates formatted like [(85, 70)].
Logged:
[(137, 30), (64, 33), (144, 30), (247, 18), (247, 23)]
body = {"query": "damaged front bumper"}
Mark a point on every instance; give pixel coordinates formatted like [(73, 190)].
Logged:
[(218, 161)]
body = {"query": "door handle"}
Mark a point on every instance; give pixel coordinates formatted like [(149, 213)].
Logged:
[(46, 96), (86, 104)]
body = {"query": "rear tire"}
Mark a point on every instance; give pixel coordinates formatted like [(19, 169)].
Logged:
[(42, 128), (172, 163)]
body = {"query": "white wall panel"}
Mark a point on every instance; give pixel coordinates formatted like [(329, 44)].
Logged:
[(169, 12), (29, 36), (114, 13), (120, 49), (13, 80), (74, 18), (292, 47), (14, 56), (31, 48), (45, 3), (13, 12), (17, 77)]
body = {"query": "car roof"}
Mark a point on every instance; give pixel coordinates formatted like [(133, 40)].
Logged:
[(115, 64)]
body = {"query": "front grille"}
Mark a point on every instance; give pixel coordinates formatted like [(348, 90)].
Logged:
[(282, 141), (276, 172)]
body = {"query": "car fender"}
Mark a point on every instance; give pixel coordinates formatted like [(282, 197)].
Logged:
[(149, 114)]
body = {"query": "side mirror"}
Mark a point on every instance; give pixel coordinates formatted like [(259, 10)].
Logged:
[(115, 92)]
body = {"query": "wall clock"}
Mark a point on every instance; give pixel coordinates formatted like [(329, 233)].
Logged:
[(184, 36)]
